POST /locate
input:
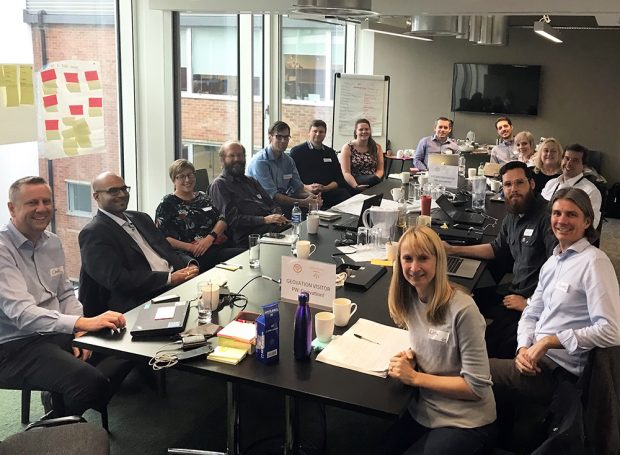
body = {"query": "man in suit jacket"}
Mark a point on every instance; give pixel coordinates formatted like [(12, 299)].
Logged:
[(125, 259)]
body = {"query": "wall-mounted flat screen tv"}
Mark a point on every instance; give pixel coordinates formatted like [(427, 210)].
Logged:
[(495, 89)]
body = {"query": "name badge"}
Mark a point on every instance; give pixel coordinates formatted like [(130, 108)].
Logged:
[(57, 271), (561, 286), (528, 232), (327, 160), (287, 176), (438, 335), (207, 209), (259, 196)]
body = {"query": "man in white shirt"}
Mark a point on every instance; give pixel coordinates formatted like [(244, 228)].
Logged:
[(573, 160)]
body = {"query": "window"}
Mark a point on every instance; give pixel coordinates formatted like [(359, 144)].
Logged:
[(209, 86), (312, 52), (79, 199), (81, 49)]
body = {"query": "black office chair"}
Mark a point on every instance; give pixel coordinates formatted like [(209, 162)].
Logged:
[(202, 180), (62, 436)]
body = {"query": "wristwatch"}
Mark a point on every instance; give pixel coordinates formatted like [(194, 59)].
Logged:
[(213, 234)]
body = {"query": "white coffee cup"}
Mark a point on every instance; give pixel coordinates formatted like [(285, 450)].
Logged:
[(324, 326), (312, 223), (496, 185), (304, 249), (399, 154), (392, 251), (404, 177), (397, 194), (343, 310), (423, 179), (472, 172)]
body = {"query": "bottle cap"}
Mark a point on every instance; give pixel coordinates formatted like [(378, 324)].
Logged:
[(303, 297)]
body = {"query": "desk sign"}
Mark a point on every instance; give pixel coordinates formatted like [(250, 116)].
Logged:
[(439, 174), (316, 278)]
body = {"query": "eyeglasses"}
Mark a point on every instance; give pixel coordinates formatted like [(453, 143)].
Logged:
[(115, 191), (282, 137), (518, 182), (185, 176)]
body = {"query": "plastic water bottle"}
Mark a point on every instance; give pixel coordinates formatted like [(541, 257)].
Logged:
[(481, 169), (302, 339), (462, 165), (296, 219)]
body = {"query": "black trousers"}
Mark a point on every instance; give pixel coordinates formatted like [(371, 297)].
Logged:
[(46, 362)]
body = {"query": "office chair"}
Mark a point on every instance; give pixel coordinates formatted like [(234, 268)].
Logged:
[(62, 436), (202, 180)]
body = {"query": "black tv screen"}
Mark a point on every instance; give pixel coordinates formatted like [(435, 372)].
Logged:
[(495, 89)]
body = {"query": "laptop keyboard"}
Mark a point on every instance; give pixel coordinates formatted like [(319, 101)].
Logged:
[(454, 263)]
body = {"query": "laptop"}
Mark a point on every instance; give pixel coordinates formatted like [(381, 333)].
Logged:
[(458, 215), (462, 267), (163, 319), (352, 222)]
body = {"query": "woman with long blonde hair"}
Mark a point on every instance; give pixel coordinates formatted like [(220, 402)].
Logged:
[(454, 410)]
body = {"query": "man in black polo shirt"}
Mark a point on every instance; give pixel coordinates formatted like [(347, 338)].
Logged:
[(242, 200), (318, 167), (525, 241)]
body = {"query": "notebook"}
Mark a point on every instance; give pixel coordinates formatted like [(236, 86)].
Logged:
[(352, 222), (462, 267), (162, 319), (458, 215)]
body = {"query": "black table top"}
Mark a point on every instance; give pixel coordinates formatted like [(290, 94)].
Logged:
[(311, 379)]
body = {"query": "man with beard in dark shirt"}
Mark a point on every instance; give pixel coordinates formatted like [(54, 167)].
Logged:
[(242, 200), (526, 241)]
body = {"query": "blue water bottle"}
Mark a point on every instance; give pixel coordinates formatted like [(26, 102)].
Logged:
[(302, 339)]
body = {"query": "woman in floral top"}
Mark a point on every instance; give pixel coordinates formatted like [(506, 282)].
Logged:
[(190, 222), (361, 159)]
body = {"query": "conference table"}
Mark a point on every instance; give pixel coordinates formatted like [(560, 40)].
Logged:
[(313, 380)]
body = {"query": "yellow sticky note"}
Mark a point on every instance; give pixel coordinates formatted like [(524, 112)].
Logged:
[(84, 141), (81, 127), (2, 83), (50, 89), (94, 85), (26, 92), (11, 95), (52, 135), (73, 87), (95, 112), (69, 133), (69, 121)]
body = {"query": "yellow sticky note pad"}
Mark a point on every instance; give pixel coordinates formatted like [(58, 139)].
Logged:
[(69, 121), (49, 89), (26, 92), (52, 135), (73, 87), (94, 85), (84, 141), (11, 95), (81, 127), (69, 133), (95, 111), (382, 262)]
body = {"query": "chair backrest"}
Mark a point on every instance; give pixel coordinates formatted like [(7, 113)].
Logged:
[(202, 180)]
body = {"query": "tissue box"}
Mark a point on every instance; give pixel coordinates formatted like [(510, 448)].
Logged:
[(268, 334)]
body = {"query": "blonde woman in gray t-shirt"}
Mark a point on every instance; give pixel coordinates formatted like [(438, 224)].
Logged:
[(453, 410)]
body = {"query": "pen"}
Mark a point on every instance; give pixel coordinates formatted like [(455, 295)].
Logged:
[(324, 225), (230, 264), (357, 335)]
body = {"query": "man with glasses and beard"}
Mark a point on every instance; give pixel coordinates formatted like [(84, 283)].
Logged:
[(525, 241), (242, 200), (125, 259)]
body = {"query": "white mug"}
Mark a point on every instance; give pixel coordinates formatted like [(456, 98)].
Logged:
[(404, 177), (496, 185), (343, 310), (397, 194), (324, 326), (312, 223), (472, 172), (304, 249), (399, 154)]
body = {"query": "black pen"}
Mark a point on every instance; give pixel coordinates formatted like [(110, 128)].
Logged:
[(357, 335)]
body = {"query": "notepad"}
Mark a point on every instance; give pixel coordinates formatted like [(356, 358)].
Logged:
[(225, 354), (370, 351), (240, 331)]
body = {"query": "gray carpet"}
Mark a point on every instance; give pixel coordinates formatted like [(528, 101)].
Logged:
[(193, 413)]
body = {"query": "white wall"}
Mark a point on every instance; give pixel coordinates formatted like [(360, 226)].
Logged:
[(579, 87)]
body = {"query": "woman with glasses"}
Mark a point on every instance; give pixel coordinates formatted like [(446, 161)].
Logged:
[(191, 222), (361, 159), (547, 163), (453, 408)]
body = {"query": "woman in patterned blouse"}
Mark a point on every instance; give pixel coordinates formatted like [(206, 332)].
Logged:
[(361, 159), (190, 222)]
